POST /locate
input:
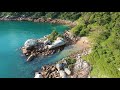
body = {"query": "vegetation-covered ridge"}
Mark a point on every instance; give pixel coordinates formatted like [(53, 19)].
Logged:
[(103, 28), (72, 16)]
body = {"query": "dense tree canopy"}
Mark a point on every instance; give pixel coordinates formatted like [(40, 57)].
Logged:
[(61, 15), (104, 30)]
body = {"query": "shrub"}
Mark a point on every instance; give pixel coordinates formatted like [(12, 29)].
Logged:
[(53, 36), (70, 61)]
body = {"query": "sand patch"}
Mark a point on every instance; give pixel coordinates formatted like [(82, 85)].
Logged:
[(83, 43)]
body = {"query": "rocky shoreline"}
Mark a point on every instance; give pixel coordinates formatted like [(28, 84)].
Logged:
[(64, 69), (72, 66), (54, 21), (44, 47)]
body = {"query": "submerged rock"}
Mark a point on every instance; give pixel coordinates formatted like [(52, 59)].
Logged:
[(31, 57)]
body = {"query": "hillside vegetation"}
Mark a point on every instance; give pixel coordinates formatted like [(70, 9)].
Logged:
[(103, 28), (60, 15)]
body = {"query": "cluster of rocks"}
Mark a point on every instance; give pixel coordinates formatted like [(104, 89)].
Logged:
[(36, 48), (58, 70), (70, 38), (86, 52), (81, 69), (43, 47), (58, 21)]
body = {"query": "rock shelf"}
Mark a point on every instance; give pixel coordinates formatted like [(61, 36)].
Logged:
[(61, 69)]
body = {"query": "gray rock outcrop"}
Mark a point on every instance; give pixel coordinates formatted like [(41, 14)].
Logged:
[(67, 71), (62, 74)]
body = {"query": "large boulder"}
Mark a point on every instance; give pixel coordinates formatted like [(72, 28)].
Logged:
[(37, 75), (82, 68), (59, 66), (30, 43), (68, 72), (57, 43), (78, 65), (85, 65), (47, 42), (62, 74)]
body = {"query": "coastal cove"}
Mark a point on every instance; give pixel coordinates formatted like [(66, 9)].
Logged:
[(59, 45), (13, 34)]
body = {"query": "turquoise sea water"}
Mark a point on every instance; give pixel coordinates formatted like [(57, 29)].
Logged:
[(13, 34)]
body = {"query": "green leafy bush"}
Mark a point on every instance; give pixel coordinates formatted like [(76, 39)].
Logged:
[(70, 61), (53, 36)]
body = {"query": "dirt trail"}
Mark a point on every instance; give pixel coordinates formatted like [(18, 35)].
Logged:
[(83, 42)]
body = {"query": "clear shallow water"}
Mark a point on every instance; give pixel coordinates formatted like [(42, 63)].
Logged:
[(13, 34)]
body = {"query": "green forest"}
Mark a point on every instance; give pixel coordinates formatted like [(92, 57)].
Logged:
[(102, 28), (59, 15)]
